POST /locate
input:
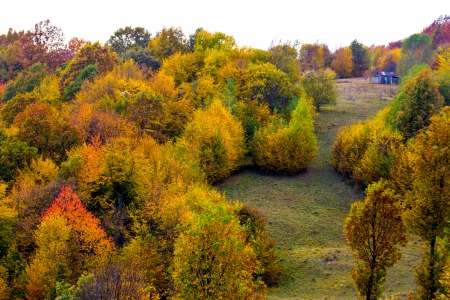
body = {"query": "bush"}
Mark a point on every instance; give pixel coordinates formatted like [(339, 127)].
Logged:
[(286, 148), (365, 152)]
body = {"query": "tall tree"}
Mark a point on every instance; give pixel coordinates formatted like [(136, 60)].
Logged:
[(268, 85), (216, 140), (53, 260), (48, 36), (360, 58), (427, 200), (373, 229), (282, 148), (220, 41), (42, 126), (439, 31), (74, 45)]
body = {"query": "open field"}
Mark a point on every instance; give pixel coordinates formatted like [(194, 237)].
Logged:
[(306, 211)]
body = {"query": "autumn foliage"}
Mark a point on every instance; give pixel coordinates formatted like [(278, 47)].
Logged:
[(108, 154), (90, 236), (373, 229), (213, 261), (286, 148)]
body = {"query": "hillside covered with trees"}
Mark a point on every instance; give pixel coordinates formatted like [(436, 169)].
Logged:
[(109, 154)]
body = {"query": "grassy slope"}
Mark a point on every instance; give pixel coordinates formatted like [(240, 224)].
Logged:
[(306, 211)]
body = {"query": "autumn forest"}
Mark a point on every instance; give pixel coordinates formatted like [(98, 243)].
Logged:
[(111, 155)]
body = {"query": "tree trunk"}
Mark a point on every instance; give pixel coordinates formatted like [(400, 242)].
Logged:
[(431, 266)]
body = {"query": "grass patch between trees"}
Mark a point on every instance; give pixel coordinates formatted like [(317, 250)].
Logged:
[(306, 211)]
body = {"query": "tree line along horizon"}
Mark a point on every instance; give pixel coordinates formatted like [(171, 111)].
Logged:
[(108, 153)]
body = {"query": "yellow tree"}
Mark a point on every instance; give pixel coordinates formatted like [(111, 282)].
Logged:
[(52, 262), (216, 140), (373, 229), (183, 67), (442, 73), (206, 40), (167, 42), (429, 158), (314, 57), (213, 261), (343, 62)]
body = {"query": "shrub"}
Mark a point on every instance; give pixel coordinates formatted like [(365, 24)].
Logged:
[(365, 152), (286, 148)]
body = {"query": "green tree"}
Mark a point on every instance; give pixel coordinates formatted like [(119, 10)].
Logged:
[(25, 82), (286, 148), (268, 85), (8, 220), (90, 54), (256, 226), (143, 58), (220, 41), (74, 87), (361, 59), (373, 229), (14, 155), (127, 38), (418, 102), (416, 50), (17, 105), (284, 57), (321, 87)]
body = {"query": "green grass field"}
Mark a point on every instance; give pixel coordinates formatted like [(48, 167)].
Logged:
[(306, 211)]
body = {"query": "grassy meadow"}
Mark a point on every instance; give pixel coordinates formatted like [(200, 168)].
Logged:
[(306, 211)]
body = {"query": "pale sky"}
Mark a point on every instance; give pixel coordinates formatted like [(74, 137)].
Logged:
[(252, 23)]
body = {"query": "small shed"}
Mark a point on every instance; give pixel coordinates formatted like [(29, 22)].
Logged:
[(382, 77)]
